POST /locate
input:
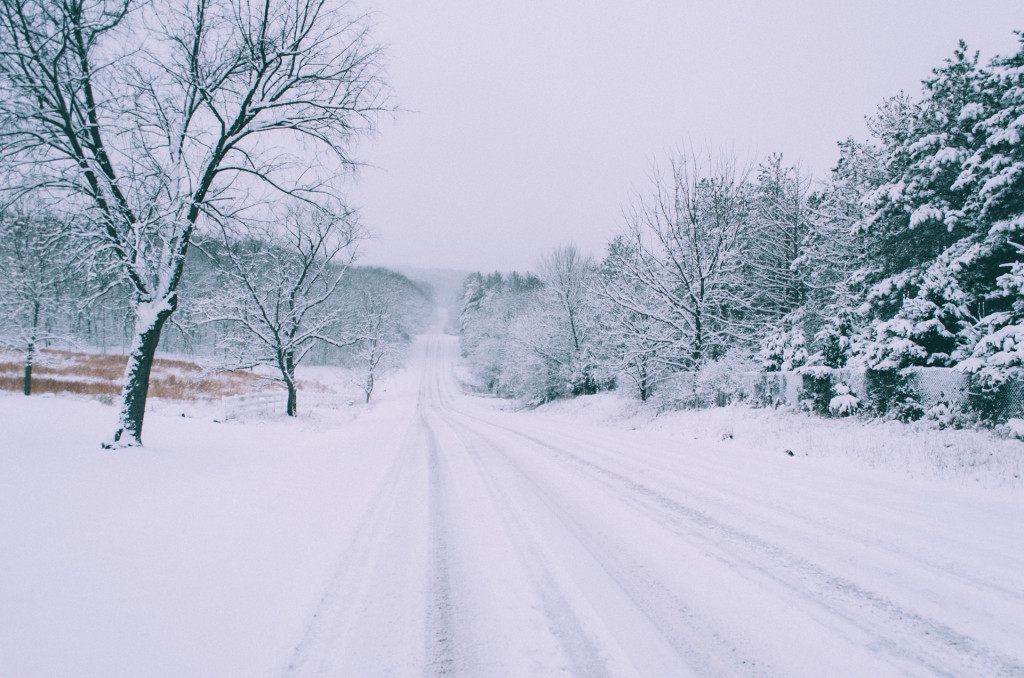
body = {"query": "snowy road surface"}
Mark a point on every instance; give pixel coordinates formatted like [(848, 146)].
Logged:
[(498, 546), (442, 535)]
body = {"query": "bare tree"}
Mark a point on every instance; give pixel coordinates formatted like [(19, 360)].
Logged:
[(221, 104), (566, 274), (385, 308), (686, 240), (633, 340), (491, 304), (558, 328), (280, 291), (375, 334), (35, 270)]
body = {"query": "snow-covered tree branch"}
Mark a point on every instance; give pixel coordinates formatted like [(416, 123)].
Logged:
[(147, 117), (279, 289)]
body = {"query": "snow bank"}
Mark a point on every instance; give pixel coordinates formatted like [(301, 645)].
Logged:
[(966, 457)]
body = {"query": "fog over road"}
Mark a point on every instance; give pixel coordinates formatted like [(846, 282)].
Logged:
[(500, 543)]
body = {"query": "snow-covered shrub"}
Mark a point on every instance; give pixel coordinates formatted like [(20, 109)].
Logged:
[(724, 381), (786, 348), (1015, 428), (845, 402), (909, 410), (997, 361), (816, 391), (891, 394), (718, 383), (946, 416)]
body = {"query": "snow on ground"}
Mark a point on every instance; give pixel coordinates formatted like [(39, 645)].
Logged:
[(199, 555), (918, 450), (439, 533)]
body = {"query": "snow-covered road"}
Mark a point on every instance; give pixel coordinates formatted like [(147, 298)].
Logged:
[(438, 533), (500, 544)]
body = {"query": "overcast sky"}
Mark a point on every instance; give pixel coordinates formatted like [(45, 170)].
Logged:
[(532, 123)]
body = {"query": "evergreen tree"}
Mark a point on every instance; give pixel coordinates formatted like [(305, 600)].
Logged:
[(922, 225)]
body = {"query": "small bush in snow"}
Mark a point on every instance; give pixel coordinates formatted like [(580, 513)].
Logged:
[(724, 381), (942, 414), (909, 410), (947, 416), (844, 403), (717, 383), (1015, 427), (816, 392)]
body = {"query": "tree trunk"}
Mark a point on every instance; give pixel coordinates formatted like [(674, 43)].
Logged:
[(643, 382), (288, 372), (698, 340), (28, 366), (292, 408), (368, 386), (150, 319), (30, 354)]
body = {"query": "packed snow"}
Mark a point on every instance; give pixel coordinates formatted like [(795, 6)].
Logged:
[(436, 532)]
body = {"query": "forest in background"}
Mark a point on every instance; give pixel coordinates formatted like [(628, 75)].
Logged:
[(273, 298), (907, 256)]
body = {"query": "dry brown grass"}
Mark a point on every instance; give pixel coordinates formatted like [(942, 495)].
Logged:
[(48, 385), (101, 374)]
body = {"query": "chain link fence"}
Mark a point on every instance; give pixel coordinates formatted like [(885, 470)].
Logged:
[(912, 393)]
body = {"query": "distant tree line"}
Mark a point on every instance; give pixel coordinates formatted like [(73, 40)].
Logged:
[(272, 295), (908, 254)]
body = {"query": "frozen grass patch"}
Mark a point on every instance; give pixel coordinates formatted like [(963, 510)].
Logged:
[(97, 374)]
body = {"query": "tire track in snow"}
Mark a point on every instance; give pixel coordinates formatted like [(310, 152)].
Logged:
[(887, 549), (556, 539), (939, 647), (485, 506), (317, 653), (321, 650), (578, 646), (699, 648), (440, 629)]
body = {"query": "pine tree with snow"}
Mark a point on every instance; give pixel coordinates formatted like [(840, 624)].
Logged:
[(786, 348), (997, 173), (923, 225)]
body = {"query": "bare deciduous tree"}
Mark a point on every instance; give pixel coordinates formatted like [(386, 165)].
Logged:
[(34, 273), (566, 274), (385, 308), (686, 239), (218, 104), (280, 291), (560, 329), (633, 341)]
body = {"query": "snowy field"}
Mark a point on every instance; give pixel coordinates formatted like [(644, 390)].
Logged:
[(438, 533)]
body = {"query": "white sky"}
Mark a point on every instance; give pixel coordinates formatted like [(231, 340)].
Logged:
[(532, 123)]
